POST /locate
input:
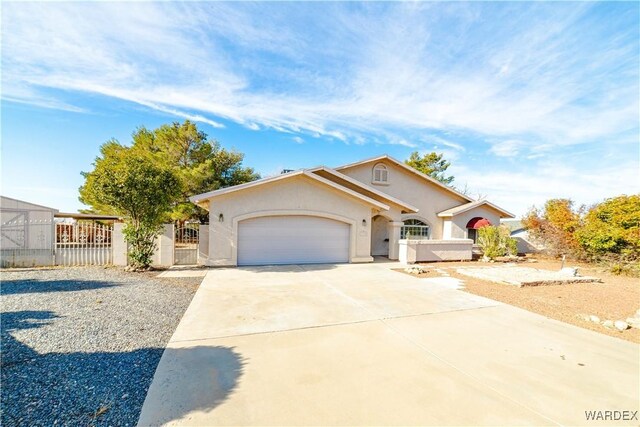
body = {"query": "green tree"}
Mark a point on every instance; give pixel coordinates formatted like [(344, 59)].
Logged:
[(612, 227), (432, 164), (199, 163), (133, 186)]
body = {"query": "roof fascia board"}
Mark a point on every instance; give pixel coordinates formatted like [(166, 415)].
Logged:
[(199, 198), (407, 168), (382, 195)]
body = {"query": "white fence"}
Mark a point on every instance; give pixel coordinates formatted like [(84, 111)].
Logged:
[(31, 243), (25, 242), (83, 244)]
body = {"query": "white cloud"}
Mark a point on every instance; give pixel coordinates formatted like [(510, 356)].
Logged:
[(342, 73), (298, 140), (533, 185), (508, 148)]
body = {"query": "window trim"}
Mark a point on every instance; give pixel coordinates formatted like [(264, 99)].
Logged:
[(421, 227), (383, 173)]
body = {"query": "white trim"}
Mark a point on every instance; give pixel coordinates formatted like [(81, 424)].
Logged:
[(406, 217), (46, 208), (199, 198), (293, 212), (365, 187), (408, 168), (384, 173), (467, 207)]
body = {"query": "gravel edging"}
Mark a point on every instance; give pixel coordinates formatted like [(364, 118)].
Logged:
[(80, 345)]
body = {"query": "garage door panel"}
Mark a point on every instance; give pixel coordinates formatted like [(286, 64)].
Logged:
[(292, 240)]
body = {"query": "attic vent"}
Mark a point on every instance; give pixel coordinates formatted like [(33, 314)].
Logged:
[(286, 171)]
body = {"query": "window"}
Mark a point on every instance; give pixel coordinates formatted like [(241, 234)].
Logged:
[(414, 229), (380, 174), (472, 234)]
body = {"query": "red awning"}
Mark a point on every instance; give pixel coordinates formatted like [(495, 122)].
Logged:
[(478, 223)]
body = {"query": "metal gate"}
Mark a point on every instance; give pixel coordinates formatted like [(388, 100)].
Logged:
[(186, 244), (25, 242), (83, 244)]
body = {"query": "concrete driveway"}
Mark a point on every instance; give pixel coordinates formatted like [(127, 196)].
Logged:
[(365, 345)]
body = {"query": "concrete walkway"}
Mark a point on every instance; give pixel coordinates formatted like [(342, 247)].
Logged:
[(364, 345)]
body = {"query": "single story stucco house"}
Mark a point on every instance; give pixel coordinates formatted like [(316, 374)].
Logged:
[(346, 214)]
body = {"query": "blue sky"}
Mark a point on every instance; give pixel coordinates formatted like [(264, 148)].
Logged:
[(529, 101)]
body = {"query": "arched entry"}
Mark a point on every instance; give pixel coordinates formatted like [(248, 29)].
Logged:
[(473, 225), (379, 236)]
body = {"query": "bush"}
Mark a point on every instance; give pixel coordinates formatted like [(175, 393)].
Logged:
[(610, 234), (496, 242), (142, 244)]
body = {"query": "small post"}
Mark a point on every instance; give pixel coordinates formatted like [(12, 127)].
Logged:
[(563, 258)]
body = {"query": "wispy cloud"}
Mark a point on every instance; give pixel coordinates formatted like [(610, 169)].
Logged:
[(501, 70), (535, 183)]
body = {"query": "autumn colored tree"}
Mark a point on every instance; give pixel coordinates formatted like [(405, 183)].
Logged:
[(554, 226)]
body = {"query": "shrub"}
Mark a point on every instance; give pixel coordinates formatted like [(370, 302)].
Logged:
[(611, 234), (496, 242)]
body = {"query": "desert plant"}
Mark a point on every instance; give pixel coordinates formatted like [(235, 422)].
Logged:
[(496, 242)]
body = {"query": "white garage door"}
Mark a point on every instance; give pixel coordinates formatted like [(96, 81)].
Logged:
[(292, 240)]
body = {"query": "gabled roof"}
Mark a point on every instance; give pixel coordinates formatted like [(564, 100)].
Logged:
[(379, 194), (513, 224), (5, 199), (468, 206), (407, 168), (199, 198)]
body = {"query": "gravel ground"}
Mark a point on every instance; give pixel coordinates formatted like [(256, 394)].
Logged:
[(80, 345)]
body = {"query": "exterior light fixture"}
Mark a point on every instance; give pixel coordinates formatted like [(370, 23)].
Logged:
[(364, 222), (220, 217)]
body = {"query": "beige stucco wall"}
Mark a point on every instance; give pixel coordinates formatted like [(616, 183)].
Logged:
[(459, 222), (412, 251), (404, 185), (299, 195)]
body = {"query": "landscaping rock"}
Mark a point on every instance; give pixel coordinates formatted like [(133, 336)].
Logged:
[(608, 324), (594, 319), (621, 325), (416, 270), (633, 322), (569, 271)]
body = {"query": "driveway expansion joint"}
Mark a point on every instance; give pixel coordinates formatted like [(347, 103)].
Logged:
[(302, 328)]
